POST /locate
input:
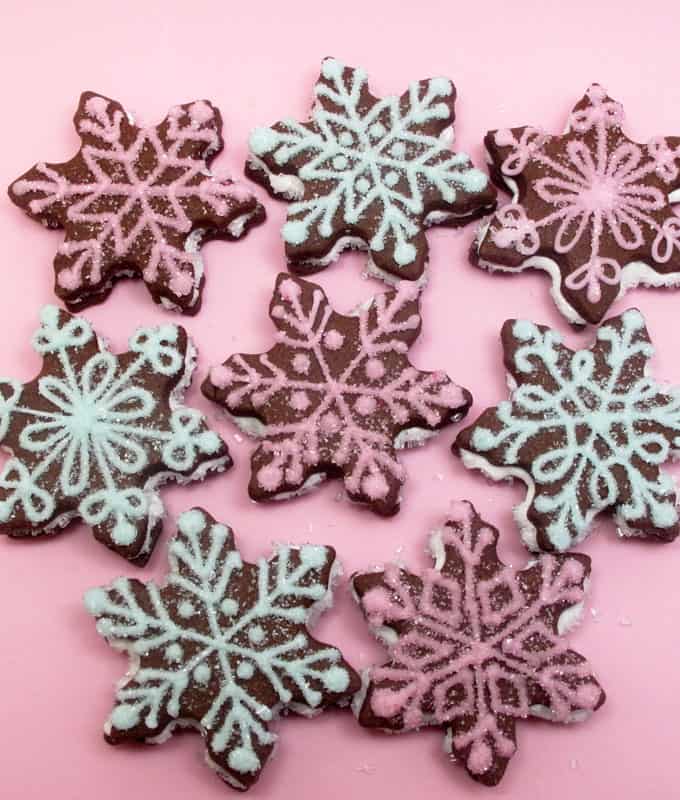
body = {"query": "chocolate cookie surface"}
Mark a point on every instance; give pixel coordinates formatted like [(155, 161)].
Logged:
[(222, 646), (586, 430), (336, 395), (591, 207), (475, 646), (368, 172), (95, 434), (137, 202)]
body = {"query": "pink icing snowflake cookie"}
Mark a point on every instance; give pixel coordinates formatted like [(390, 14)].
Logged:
[(475, 645), (590, 207), (137, 202), (368, 172), (336, 395)]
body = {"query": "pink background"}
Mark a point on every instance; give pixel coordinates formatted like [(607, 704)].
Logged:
[(513, 63)]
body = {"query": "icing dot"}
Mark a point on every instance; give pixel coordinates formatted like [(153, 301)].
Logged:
[(174, 652), (202, 674), (68, 278), (336, 679), (374, 369), (391, 178), (221, 376), (278, 312), (404, 253), (242, 759), (208, 442), (480, 758), (346, 139), (270, 477), (362, 185), (441, 86), (365, 405), (124, 717), (289, 290), (313, 555), (200, 112), (588, 695), (333, 339), (329, 423), (191, 522), (483, 439), (124, 532), (294, 232), (96, 105), (95, 600), (377, 130), (340, 162), (301, 363), (229, 607), (245, 670), (473, 180), (256, 634), (398, 150), (300, 401), (504, 137), (186, 609), (263, 140), (331, 68), (523, 330), (375, 486)]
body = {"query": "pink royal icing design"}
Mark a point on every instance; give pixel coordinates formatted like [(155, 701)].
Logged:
[(475, 645), (136, 200), (591, 204), (335, 392)]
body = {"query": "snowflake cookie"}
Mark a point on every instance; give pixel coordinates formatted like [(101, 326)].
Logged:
[(586, 430), (475, 645), (137, 202), (590, 207), (369, 173), (222, 646), (95, 434), (336, 395)]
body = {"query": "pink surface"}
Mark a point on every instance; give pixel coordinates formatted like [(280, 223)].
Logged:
[(258, 66)]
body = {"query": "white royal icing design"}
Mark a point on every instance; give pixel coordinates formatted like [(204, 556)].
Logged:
[(219, 662), (102, 427), (366, 162), (598, 425)]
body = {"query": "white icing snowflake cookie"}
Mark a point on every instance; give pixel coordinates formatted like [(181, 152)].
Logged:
[(370, 173), (586, 430), (222, 646), (95, 434)]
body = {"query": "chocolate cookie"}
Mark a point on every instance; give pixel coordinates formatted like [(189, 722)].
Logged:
[(222, 646), (369, 173), (95, 434), (475, 645), (590, 207), (336, 396), (137, 202), (586, 431)]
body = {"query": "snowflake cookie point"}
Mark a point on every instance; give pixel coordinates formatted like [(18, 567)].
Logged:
[(336, 395), (92, 433), (137, 202), (368, 172), (475, 645), (591, 207), (221, 646), (588, 431)]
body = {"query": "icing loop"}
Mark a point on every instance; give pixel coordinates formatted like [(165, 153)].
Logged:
[(222, 645), (475, 646), (591, 275), (515, 230), (530, 139)]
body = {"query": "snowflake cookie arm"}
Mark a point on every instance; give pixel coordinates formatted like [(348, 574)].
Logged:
[(222, 645), (369, 172), (136, 201)]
